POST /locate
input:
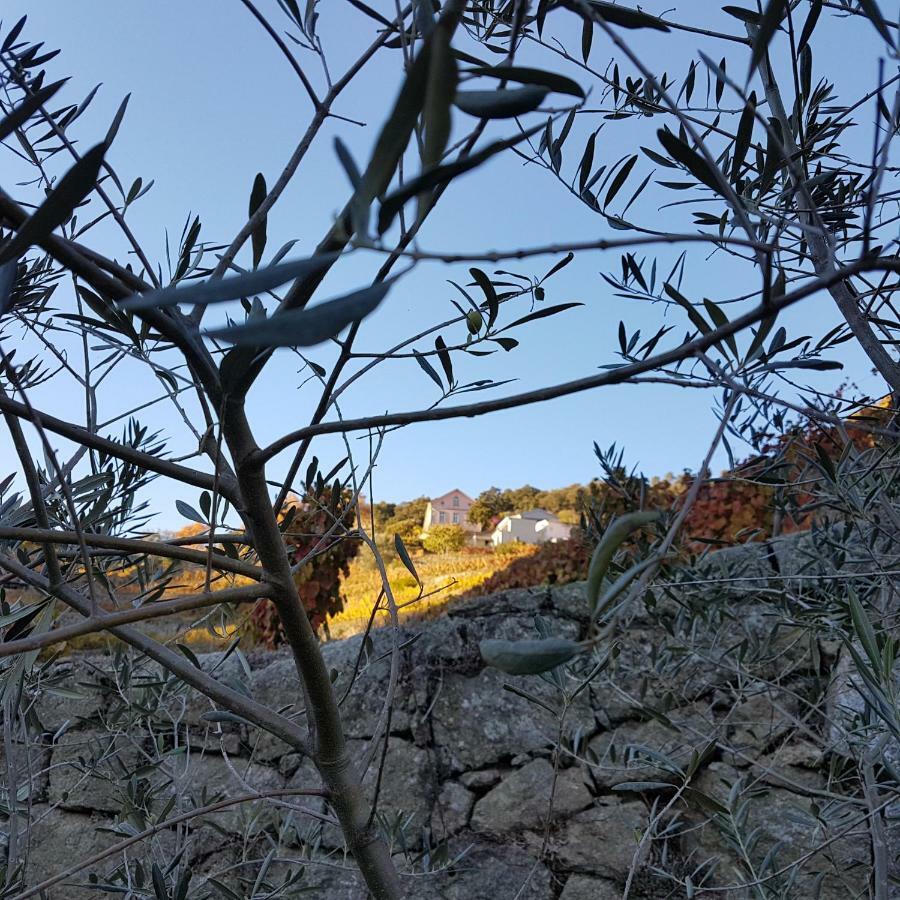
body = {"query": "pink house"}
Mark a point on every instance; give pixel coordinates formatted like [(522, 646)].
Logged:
[(452, 509)]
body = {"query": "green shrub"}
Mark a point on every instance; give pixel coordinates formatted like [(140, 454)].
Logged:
[(444, 539)]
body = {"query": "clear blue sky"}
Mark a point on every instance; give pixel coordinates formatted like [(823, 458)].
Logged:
[(213, 103)]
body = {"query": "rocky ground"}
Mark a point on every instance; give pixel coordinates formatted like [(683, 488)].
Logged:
[(698, 759)]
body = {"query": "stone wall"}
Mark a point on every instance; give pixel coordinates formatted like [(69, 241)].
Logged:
[(673, 768)]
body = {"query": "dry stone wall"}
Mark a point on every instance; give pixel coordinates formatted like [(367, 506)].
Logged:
[(670, 771)]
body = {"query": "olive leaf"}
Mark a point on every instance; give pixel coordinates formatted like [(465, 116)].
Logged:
[(439, 94), (810, 23), (189, 512), (627, 18), (7, 280), (444, 356), (223, 715), (395, 134), (699, 322), (258, 236), (611, 594), (873, 13), (768, 25), (428, 369), (306, 327), (744, 133), (690, 159), (27, 108), (525, 75), (864, 630), (542, 313), (402, 552), (528, 657), (69, 192), (221, 290), (434, 177), (617, 531), (501, 104), (490, 294)]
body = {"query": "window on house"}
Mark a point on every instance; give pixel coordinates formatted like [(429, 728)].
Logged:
[(456, 518), (456, 499), (442, 517)]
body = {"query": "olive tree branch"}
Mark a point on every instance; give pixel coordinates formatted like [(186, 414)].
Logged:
[(80, 435), (106, 621), (229, 699), (820, 253), (163, 826), (134, 547), (614, 376), (322, 110)]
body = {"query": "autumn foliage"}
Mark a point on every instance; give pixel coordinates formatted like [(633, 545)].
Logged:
[(309, 529), (769, 494), (558, 563)]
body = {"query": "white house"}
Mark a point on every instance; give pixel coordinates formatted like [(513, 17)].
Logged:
[(536, 526)]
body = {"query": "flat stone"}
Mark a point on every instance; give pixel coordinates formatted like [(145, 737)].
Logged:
[(73, 693), (481, 871), (580, 887), (59, 839), (451, 810), (758, 721), (602, 840), (188, 707), (88, 770), (795, 766), (228, 670), (277, 686), (486, 871), (450, 643), (571, 600), (480, 779), (236, 863), (645, 667), (846, 710), (477, 723), (522, 799), (362, 707), (408, 782), (29, 763), (200, 779), (408, 785), (361, 694), (777, 816), (632, 750)]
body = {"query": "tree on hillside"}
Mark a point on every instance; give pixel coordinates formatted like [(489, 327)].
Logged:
[(380, 512), (408, 529), (735, 169), (489, 506), (493, 503), (521, 499)]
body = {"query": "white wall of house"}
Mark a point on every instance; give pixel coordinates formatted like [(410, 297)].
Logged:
[(514, 528), (552, 530), (529, 531)]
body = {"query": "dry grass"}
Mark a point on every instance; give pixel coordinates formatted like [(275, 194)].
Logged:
[(444, 576)]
